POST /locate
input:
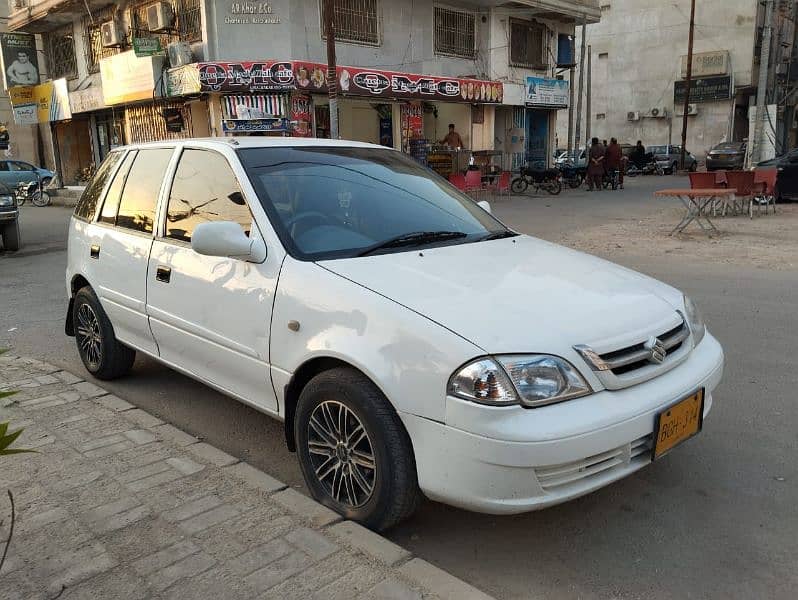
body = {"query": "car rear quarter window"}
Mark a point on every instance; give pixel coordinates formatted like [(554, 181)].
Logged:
[(111, 203), (140, 195), (87, 205), (204, 189)]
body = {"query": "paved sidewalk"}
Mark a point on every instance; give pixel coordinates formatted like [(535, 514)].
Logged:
[(118, 504)]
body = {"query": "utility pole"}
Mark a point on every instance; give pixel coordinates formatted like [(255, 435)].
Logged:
[(581, 86), (332, 77), (688, 83), (588, 115), (761, 89), (571, 113)]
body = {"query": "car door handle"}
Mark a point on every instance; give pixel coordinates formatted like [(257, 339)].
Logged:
[(163, 274), (94, 251)]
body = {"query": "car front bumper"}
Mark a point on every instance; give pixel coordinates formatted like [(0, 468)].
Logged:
[(529, 459), (7, 215), (724, 163)]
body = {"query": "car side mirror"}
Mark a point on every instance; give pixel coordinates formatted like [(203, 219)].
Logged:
[(226, 238), (484, 205)]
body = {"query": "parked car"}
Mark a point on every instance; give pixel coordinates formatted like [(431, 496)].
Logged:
[(668, 157), (581, 161), (14, 172), (9, 219), (411, 342), (727, 156), (787, 177)]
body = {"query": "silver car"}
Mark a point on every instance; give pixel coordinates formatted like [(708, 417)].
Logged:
[(668, 157)]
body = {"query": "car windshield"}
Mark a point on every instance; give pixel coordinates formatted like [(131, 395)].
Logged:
[(729, 146), (658, 149), (338, 202)]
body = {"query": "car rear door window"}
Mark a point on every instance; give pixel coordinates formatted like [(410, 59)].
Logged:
[(140, 194), (204, 189), (112, 197), (87, 205)]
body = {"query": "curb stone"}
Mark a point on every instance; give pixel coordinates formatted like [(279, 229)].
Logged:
[(148, 427)]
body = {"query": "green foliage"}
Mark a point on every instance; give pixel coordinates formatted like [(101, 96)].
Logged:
[(6, 439)]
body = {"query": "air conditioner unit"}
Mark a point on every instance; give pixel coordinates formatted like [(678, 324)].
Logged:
[(111, 34), (657, 112), (179, 54), (692, 109), (633, 115), (160, 17)]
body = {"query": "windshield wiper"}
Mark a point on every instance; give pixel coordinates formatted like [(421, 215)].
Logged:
[(498, 235), (414, 239)]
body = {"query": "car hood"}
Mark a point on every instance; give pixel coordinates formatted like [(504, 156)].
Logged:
[(520, 294)]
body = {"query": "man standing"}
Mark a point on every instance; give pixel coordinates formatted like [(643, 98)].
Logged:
[(452, 139), (595, 165), (613, 160), (638, 156)]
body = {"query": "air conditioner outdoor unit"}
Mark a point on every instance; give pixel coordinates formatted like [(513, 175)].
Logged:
[(111, 34), (633, 115), (160, 16), (179, 54), (692, 109), (657, 112)]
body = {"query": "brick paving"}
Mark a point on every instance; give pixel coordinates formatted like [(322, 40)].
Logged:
[(117, 504)]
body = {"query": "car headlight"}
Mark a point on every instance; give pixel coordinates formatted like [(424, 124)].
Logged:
[(527, 379), (695, 320), (6, 201)]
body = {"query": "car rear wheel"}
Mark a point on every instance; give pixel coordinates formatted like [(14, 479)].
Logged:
[(354, 452), (101, 353), (12, 238)]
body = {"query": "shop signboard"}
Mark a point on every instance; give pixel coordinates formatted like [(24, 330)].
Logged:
[(146, 46), (128, 78), (250, 125), (546, 93), (19, 59), (269, 75), (707, 63), (48, 101), (703, 89), (86, 100), (301, 120)]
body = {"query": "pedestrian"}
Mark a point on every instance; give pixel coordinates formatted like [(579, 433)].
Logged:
[(595, 167), (638, 156), (613, 159)]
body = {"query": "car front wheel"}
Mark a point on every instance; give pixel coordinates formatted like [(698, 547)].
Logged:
[(354, 452), (101, 353), (12, 239)]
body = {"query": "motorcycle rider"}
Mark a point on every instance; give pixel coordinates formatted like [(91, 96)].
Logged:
[(614, 159)]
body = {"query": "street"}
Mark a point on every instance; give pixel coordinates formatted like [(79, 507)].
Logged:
[(714, 519)]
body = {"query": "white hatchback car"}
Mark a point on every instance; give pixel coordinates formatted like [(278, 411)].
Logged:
[(410, 341)]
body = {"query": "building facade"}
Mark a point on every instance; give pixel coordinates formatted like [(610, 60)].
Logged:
[(638, 55), (407, 70)]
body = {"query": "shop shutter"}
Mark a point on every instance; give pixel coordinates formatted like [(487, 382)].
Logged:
[(147, 124), (274, 105)]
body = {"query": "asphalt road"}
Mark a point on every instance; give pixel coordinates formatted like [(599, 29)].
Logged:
[(715, 519)]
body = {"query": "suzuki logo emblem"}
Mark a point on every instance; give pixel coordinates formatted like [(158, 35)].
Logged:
[(657, 349)]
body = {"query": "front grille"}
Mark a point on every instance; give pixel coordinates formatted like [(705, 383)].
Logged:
[(637, 356), (556, 477)]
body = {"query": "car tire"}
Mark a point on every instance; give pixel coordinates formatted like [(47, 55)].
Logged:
[(354, 451), (12, 238), (46, 181), (102, 354)]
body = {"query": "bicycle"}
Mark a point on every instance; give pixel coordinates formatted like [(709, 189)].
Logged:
[(33, 190)]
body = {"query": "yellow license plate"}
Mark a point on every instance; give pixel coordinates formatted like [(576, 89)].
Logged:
[(678, 423)]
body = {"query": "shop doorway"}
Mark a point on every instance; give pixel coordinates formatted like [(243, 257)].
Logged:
[(76, 158), (537, 134), (110, 131)]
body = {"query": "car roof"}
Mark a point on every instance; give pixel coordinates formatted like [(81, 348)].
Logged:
[(254, 142)]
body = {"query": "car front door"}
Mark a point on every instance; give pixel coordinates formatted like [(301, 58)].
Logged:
[(211, 315), (120, 241)]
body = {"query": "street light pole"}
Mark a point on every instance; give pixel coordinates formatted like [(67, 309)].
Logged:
[(332, 77), (689, 80)]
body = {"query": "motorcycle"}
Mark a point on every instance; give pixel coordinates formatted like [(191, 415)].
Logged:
[(649, 167), (538, 179), (572, 176)]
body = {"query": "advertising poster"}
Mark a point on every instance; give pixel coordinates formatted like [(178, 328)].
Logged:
[(19, 59), (541, 91), (48, 101), (301, 115)]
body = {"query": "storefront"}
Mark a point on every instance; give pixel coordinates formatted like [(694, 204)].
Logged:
[(405, 111), (544, 97)]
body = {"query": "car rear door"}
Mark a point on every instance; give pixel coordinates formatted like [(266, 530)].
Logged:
[(210, 315), (120, 243), (23, 172)]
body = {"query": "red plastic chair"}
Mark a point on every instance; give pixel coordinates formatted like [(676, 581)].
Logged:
[(458, 181), (764, 191), (703, 181), (473, 182), (743, 182), (502, 185)]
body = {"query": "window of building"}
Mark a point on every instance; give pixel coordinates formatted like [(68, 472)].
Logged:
[(455, 32), (60, 48), (204, 189), (527, 44), (604, 55), (356, 21), (140, 196), (93, 40), (187, 26), (600, 116), (87, 205)]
